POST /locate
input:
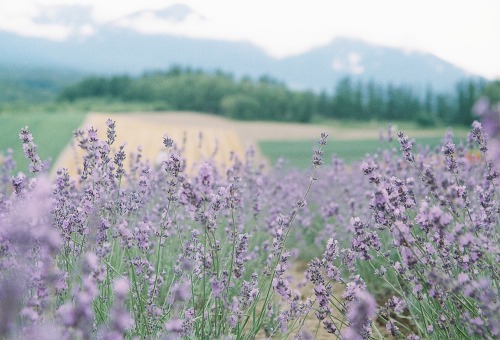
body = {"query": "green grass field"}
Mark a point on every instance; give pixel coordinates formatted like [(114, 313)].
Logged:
[(51, 133), (299, 153)]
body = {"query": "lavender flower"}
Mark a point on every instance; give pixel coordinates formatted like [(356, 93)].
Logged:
[(317, 157), (318, 153), (406, 146), (118, 160), (490, 119), (239, 258), (167, 141), (121, 321), (169, 253), (174, 326), (111, 132), (181, 292), (392, 328), (361, 310), (30, 151), (11, 291), (477, 134), (449, 152)]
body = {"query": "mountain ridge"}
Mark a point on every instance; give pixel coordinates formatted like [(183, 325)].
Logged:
[(113, 49)]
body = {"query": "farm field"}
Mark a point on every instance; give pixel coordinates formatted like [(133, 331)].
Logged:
[(399, 247), (291, 141)]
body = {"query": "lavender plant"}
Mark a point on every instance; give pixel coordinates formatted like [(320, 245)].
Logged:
[(434, 243), (406, 247)]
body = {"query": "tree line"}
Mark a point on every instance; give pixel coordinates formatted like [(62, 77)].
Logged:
[(268, 99)]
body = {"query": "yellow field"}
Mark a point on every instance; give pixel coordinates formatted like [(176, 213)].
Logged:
[(147, 130), (139, 130)]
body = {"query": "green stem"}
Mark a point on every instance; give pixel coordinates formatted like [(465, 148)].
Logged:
[(294, 214), (141, 311)]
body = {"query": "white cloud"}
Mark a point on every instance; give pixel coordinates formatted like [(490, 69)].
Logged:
[(354, 60), (193, 25), (86, 30), (27, 27), (352, 64)]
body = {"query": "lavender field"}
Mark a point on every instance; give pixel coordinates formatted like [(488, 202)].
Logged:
[(403, 245)]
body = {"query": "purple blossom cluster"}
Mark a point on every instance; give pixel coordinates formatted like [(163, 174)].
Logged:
[(400, 246), (489, 128)]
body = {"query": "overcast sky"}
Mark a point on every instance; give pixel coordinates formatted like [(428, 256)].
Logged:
[(464, 32)]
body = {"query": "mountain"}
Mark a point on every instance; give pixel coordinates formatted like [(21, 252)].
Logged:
[(120, 46), (363, 61)]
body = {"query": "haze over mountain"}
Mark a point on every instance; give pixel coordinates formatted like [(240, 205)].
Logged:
[(125, 45)]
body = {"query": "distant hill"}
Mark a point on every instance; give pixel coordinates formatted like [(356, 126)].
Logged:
[(114, 48), (33, 84), (363, 61)]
